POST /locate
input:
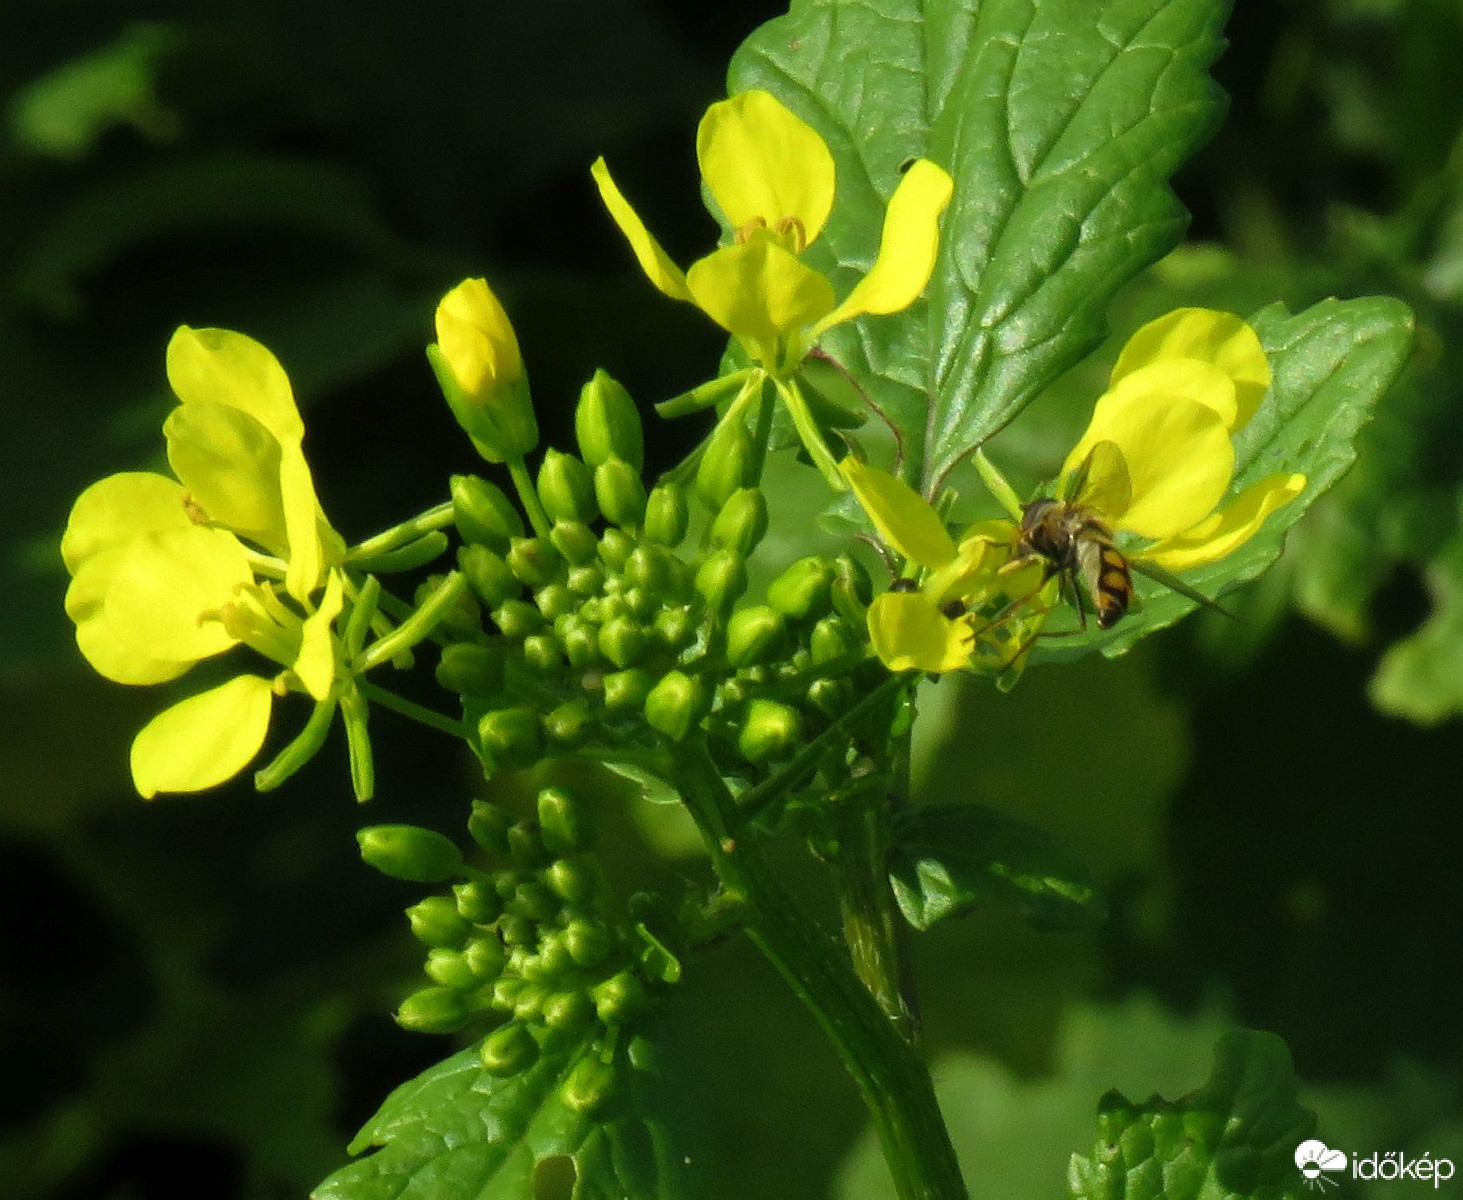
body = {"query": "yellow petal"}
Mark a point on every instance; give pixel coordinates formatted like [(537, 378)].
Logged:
[(1201, 382), (219, 366), (984, 548), (204, 740), (114, 510), (762, 163), (900, 515), (910, 633), (142, 612), (907, 248), (229, 463), (476, 337), (758, 291), (1228, 529), (1178, 455), (1220, 338), (315, 665), (303, 523), (654, 261)]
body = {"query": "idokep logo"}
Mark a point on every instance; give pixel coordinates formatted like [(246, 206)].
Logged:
[(1314, 1158), (1321, 1167)]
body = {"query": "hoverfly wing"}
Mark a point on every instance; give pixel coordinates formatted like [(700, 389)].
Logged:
[(1102, 482), (1174, 583)]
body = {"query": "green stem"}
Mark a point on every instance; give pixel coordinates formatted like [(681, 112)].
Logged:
[(807, 427), (528, 497), (439, 516), (417, 626), (891, 1077), (410, 708)]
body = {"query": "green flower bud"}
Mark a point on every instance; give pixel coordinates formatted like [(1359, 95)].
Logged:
[(623, 641), (478, 365), (485, 956), (409, 852), (625, 691), (666, 514), (590, 1083), (488, 825), (526, 846), (568, 880), (434, 922), (489, 576), (801, 591), (511, 737), (720, 579), (530, 1001), (830, 638), (619, 998), (433, 1010), (852, 590), (563, 822), (568, 1011), (470, 669), (555, 601), (831, 697), (566, 488), (484, 516), (543, 654), (726, 464), (449, 968), (588, 944), (477, 902), (549, 964), (676, 704), (570, 724), (753, 635), (464, 619), (742, 521), (505, 990), (642, 603), (517, 930), (648, 567), (770, 730), (614, 548), (581, 644), (534, 560), (674, 628), (505, 883), (508, 1050), (575, 541), (620, 492), (585, 582), (534, 901), (517, 618), (607, 424)]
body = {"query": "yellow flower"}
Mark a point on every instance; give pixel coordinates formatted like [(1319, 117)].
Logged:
[(937, 628), (480, 369), (772, 177), (1183, 386), (163, 570)]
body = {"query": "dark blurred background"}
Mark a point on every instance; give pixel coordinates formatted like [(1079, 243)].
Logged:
[(195, 994)]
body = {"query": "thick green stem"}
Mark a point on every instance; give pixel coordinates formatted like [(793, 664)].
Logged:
[(891, 1077), (528, 497)]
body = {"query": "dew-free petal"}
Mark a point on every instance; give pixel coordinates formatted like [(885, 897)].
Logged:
[(220, 366), (901, 515), (1219, 338), (1228, 529), (230, 465), (654, 261), (303, 523), (910, 633), (114, 510), (758, 291), (315, 665), (204, 740)]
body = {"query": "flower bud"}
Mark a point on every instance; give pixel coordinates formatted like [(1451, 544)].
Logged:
[(530, 1001), (829, 696), (830, 638), (590, 1083), (484, 516), (526, 847), (543, 654), (478, 365), (567, 1011), (676, 704), (619, 998), (488, 575), (575, 541), (588, 944), (666, 514), (753, 635), (852, 589), (623, 641), (562, 821), (725, 465), (409, 852), (615, 546), (449, 968), (533, 901), (720, 579), (801, 591), (581, 644), (470, 669), (620, 492), (511, 737), (742, 522), (517, 619), (463, 618), (517, 930), (534, 560), (569, 724), (508, 1050), (435, 922), (566, 488), (607, 424), (770, 730), (569, 881), (555, 601), (488, 824), (477, 901), (585, 582), (506, 987), (485, 956), (625, 691), (433, 1010), (674, 628)]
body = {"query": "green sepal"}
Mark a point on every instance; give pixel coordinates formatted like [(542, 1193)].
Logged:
[(483, 513)]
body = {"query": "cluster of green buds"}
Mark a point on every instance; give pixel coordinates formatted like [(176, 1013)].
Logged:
[(533, 943), (602, 622)]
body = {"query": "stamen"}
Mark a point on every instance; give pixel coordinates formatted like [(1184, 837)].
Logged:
[(744, 234), (194, 510), (799, 231)]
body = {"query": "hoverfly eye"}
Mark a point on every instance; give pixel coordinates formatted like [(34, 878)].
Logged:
[(904, 585), (906, 164), (953, 609)]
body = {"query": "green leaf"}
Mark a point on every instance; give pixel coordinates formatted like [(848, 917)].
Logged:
[(1421, 676), (1060, 128), (1331, 364), (1233, 1139), (459, 1132), (947, 858)]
